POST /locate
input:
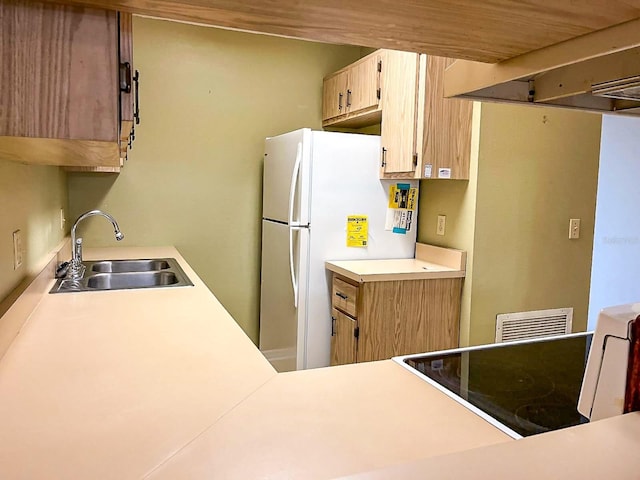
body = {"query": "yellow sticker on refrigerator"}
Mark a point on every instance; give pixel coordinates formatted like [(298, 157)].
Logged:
[(357, 231)]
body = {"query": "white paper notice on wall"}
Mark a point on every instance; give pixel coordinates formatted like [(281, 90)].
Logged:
[(399, 221), (427, 170), (444, 173)]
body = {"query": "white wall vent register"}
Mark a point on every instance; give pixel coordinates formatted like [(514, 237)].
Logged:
[(534, 324)]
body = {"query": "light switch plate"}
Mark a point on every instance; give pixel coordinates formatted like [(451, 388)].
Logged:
[(574, 228), (442, 221), (17, 249)]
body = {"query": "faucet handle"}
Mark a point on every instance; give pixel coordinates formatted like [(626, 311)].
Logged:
[(78, 250)]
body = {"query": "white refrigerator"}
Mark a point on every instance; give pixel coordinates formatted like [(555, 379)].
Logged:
[(312, 182)]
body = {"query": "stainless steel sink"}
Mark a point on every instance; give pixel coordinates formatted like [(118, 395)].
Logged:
[(125, 274), (117, 281), (120, 266)]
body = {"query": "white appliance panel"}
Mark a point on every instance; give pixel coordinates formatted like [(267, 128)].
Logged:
[(605, 379), (279, 299), (286, 177)]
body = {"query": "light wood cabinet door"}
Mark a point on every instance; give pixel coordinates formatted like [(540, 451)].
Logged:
[(344, 341), (127, 83), (363, 85), (334, 92), (445, 127), (409, 316), (57, 63), (60, 78), (399, 114)]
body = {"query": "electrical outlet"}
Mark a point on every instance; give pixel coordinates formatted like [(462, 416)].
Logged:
[(17, 249), (442, 220), (574, 228), (63, 220)]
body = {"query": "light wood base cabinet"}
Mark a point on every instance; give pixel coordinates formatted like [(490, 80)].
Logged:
[(67, 90), (394, 318)]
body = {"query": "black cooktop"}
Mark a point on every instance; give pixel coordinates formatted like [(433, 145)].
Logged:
[(529, 387)]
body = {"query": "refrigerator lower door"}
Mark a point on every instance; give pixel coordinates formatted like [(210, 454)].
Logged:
[(282, 314)]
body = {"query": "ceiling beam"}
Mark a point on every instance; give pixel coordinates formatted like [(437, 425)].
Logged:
[(464, 77), (469, 29)]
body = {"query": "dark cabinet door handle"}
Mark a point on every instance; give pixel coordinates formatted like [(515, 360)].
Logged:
[(136, 113), (384, 157), (348, 98), (341, 295), (125, 77), (333, 326)]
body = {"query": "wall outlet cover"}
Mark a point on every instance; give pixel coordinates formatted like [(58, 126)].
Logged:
[(17, 249)]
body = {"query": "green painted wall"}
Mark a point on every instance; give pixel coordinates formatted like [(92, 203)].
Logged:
[(31, 197), (536, 169), (208, 99)]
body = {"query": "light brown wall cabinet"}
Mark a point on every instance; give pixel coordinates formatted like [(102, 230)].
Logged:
[(351, 96), (379, 320), (423, 134), (68, 85)]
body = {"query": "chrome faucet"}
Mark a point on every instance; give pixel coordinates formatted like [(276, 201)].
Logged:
[(76, 269)]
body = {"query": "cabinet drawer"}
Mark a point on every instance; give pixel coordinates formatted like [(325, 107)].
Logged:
[(345, 297)]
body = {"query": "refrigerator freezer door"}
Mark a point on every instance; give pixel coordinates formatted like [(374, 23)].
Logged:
[(345, 181), (286, 178), (281, 334)]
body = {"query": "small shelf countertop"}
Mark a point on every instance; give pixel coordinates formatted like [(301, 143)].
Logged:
[(430, 263), (387, 270)]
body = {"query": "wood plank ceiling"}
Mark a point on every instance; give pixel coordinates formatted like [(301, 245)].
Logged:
[(486, 31)]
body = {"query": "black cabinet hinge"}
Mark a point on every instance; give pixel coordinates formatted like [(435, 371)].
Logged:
[(356, 332), (378, 94), (415, 160), (384, 157), (379, 65)]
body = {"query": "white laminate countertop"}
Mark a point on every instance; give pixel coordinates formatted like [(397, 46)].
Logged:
[(363, 271), (430, 262), (162, 383)]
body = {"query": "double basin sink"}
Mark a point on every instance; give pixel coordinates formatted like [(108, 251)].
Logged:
[(124, 275)]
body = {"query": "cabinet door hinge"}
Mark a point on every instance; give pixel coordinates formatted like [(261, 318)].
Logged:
[(378, 94), (379, 65), (384, 157), (415, 160), (356, 332)]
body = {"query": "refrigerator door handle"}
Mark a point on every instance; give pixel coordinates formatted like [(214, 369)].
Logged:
[(294, 226), (294, 280), (294, 184)]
